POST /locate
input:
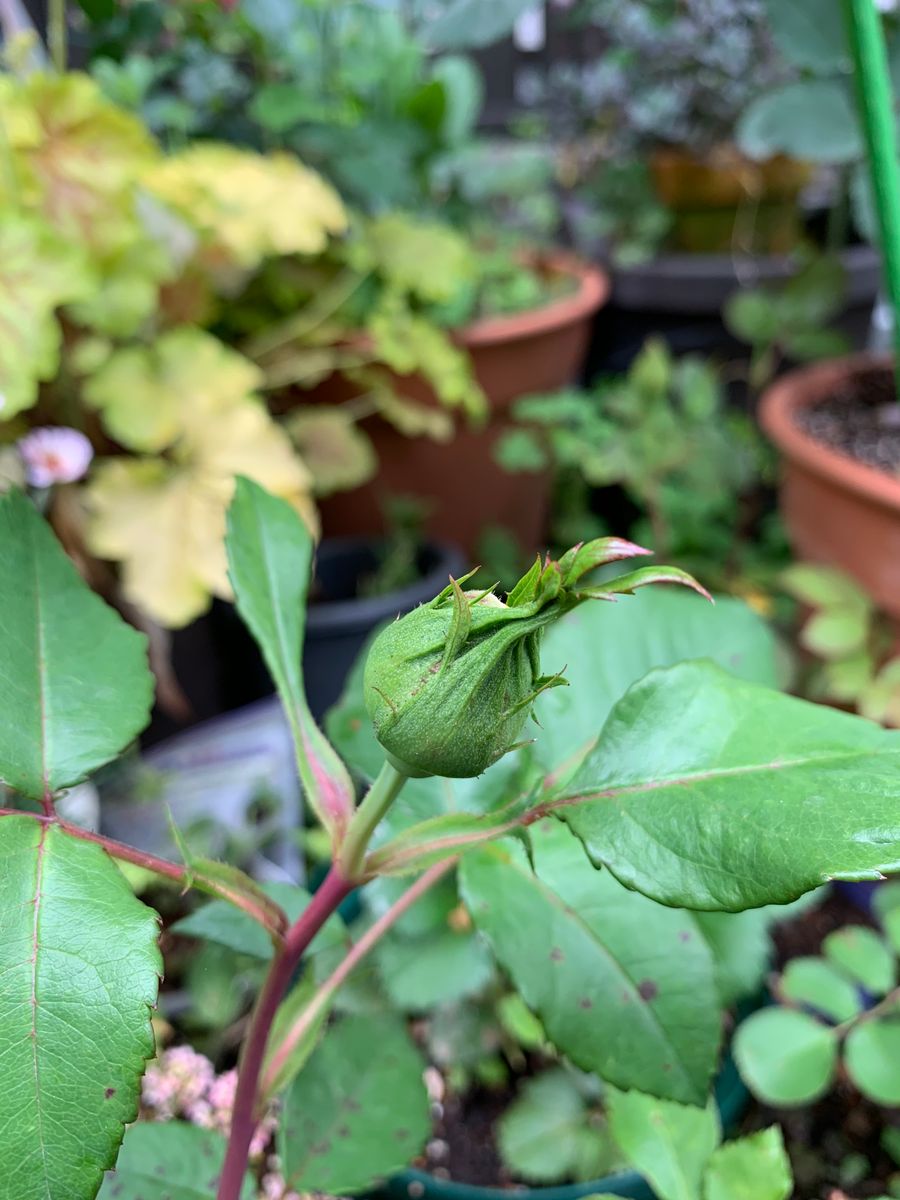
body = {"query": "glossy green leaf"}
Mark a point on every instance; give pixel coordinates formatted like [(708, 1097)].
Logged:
[(443, 966), (669, 1144), (269, 564), (169, 1159), (624, 987), (872, 1059), (60, 643), (785, 1057), (864, 956), (607, 648), (817, 984), (80, 970), (752, 1168), (708, 792), (545, 1135), (358, 1111), (219, 921)]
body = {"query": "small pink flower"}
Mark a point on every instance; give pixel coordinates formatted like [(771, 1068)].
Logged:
[(55, 454), (179, 1080)]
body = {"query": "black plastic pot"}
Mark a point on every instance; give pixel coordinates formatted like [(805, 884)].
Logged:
[(680, 297), (219, 667)]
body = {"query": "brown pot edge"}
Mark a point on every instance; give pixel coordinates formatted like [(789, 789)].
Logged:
[(805, 386), (594, 287)]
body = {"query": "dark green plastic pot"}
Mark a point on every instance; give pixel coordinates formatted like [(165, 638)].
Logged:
[(732, 1099)]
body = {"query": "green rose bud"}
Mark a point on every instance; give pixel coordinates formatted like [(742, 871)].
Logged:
[(450, 686)]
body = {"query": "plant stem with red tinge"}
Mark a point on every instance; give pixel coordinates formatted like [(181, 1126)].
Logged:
[(335, 888)]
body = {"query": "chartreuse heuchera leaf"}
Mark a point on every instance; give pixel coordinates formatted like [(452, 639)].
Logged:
[(358, 1110), (676, 1148), (59, 644), (269, 563), (171, 1159), (80, 970), (710, 793), (595, 962), (669, 1144), (753, 1168)]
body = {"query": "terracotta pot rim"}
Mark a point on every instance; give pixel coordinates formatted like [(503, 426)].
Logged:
[(803, 387), (592, 292)]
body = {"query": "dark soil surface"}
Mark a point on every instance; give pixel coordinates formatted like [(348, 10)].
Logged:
[(834, 1146), (862, 420)]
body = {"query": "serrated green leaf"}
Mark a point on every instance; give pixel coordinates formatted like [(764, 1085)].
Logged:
[(624, 987), (420, 973), (60, 643), (695, 769), (752, 1168), (170, 1159), (222, 923), (669, 1144), (80, 969), (358, 1111), (785, 1057), (269, 564), (872, 1059), (814, 982), (864, 956)]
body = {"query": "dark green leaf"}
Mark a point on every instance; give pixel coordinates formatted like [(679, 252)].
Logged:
[(358, 1111), (80, 970), (59, 645), (623, 986), (696, 771), (269, 563), (785, 1057)]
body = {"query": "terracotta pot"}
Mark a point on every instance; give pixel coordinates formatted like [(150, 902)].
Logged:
[(837, 510), (512, 356), (726, 201)]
